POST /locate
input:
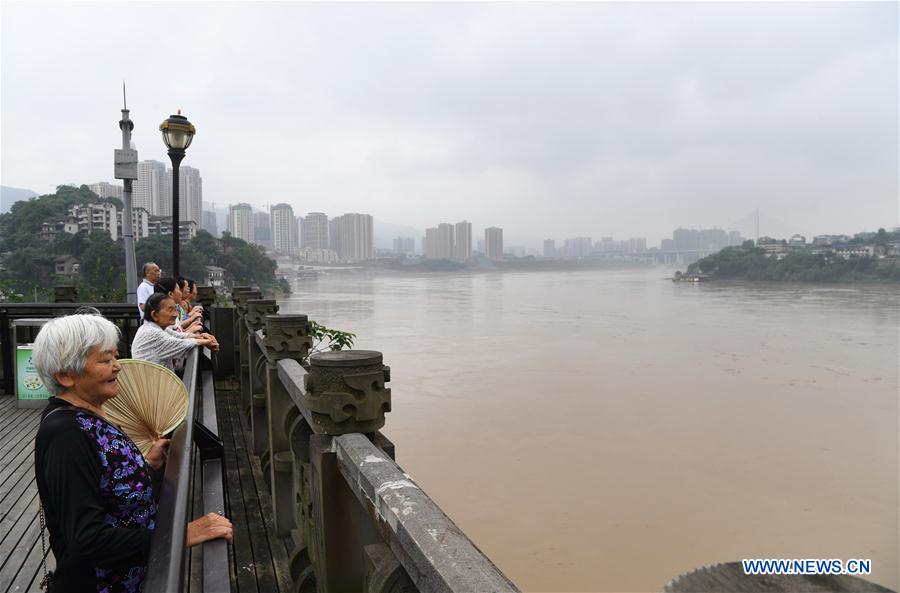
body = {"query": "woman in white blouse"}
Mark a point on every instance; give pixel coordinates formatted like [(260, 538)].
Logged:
[(153, 343)]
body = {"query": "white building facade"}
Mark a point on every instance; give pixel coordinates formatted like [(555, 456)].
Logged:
[(354, 238), (190, 194), (152, 189), (105, 189), (315, 231), (462, 241), (240, 222), (284, 226), (493, 243)]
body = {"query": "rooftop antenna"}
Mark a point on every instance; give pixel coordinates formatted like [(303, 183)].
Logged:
[(125, 167)]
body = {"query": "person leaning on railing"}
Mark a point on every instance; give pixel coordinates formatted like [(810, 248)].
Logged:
[(189, 296), (95, 486), (188, 321), (153, 343)]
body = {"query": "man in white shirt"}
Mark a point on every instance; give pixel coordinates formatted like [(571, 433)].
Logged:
[(145, 289)]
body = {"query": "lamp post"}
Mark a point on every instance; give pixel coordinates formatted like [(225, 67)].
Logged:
[(177, 133)]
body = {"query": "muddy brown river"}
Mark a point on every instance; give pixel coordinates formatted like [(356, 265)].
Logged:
[(609, 430)]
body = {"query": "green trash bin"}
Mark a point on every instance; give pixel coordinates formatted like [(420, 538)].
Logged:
[(30, 390)]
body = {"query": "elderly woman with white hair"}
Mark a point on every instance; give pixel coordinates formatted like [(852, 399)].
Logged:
[(95, 487), (153, 343)]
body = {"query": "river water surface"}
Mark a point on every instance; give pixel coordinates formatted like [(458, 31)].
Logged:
[(609, 430)]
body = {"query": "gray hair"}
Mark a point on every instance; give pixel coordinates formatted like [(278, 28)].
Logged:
[(146, 267), (63, 345)]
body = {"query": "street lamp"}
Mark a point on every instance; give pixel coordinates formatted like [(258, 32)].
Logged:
[(177, 133)]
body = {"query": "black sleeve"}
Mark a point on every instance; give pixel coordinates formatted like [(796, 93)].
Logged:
[(72, 473)]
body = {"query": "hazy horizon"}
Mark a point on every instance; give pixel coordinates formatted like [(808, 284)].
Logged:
[(548, 120)]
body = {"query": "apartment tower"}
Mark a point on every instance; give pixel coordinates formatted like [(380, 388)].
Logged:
[(240, 222), (284, 225), (493, 243)]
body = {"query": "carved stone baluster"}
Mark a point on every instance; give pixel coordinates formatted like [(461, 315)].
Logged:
[(303, 556), (344, 392), (287, 336), (255, 319), (240, 303)]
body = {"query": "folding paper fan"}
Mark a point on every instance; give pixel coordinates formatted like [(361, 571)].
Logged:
[(152, 401)]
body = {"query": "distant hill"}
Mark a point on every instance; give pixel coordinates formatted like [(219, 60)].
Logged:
[(11, 195)]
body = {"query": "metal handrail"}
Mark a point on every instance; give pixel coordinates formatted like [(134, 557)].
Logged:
[(165, 567)]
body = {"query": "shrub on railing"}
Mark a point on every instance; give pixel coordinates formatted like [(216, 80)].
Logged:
[(327, 339)]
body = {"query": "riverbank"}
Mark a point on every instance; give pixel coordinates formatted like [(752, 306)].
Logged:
[(425, 266), (755, 264)]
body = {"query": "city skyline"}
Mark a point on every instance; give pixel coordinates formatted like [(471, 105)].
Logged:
[(263, 233), (581, 119)]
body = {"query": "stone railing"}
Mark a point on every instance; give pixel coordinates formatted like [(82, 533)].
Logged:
[(358, 522)]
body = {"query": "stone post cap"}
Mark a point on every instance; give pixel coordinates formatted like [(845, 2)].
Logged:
[(346, 392), (290, 319), (287, 336), (256, 311), (206, 295), (237, 291), (241, 298), (65, 294), (346, 358)]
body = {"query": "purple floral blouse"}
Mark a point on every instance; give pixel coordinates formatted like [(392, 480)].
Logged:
[(127, 492)]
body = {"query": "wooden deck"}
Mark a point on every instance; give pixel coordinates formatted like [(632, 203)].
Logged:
[(20, 546), (259, 561)]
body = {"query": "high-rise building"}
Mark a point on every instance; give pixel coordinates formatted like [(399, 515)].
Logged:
[(104, 189), (298, 233), (262, 229), (152, 189), (405, 246), (333, 239), (315, 231), (549, 248), (636, 245), (462, 241), (240, 222), (190, 194), (700, 240), (578, 247), (493, 243), (429, 243), (284, 226), (444, 241), (209, 223), (353, 237)]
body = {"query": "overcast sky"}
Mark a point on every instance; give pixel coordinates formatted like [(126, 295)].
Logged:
[(547, 119)]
